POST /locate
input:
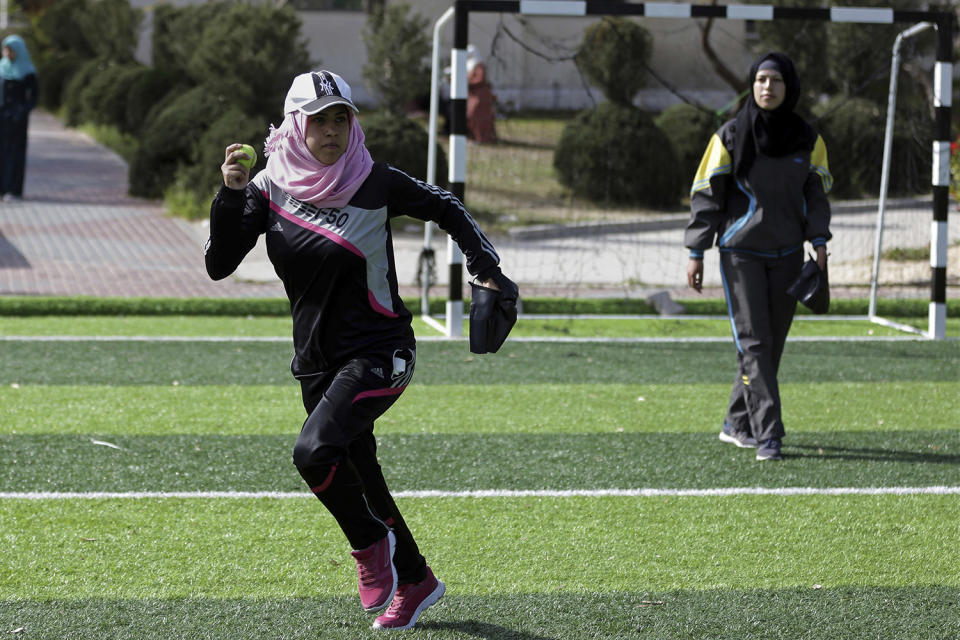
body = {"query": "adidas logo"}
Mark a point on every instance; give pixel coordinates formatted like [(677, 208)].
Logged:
[(276, 227), (378, 371)]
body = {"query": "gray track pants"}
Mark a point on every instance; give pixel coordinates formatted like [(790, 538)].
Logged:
[(760, 315)]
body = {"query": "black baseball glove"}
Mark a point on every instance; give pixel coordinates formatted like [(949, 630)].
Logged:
[(492, 313), (812, 287)]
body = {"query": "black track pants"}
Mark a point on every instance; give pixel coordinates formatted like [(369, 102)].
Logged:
[(336, 452), (760, 316)]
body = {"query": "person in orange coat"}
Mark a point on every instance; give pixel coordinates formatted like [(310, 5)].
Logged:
[(480, 100)]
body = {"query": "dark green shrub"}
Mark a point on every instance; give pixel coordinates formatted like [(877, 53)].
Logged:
[(73, 91), (688, 129), (202, 175), (167, 140), (188, 45), (853, 131), (106, 29), (56, 70), (266, 50), (402, 142), (178, 31), (104, 99), (615, 154), (112, 28), (56, 29), (397, 53), (614, 55), (147, 91)]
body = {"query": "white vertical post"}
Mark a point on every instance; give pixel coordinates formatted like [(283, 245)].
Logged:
[(885, 165), (432, 149), (457, 175)]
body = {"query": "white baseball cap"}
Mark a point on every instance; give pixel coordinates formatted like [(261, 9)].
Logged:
[(315, 91)]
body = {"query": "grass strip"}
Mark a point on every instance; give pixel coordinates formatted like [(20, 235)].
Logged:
[(182, 548), (460, 462), (840, 613), (89, 305), (528, 408), (190, 363), (280, 327)]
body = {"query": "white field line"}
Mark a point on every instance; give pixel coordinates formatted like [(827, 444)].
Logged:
[(251, 339), (497, 493)]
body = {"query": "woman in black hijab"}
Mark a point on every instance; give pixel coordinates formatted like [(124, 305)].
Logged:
[(760, 193)]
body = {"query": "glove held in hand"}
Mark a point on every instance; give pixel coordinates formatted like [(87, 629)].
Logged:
[(492, 314), (811, 287)]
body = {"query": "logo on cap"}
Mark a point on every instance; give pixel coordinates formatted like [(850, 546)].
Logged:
[(324, 85)]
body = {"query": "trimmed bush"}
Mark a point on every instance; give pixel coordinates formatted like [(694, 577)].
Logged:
[(403, 143), (202, 175), (689, 129), (104, 99), (55, 71), (75, 87), (853, 129), (396, 69), (178, 31), (266, 50), (147, 92), (613, 56), (616, 155), (167, 141)]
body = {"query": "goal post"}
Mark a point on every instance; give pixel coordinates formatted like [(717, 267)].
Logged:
[(911, 32), (942, 85)]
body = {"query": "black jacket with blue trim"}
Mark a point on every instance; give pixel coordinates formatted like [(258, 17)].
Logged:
[(778, 205), (337, 265)]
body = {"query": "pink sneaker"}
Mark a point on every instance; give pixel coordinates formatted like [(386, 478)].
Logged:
[(377, 577), (411, 600)]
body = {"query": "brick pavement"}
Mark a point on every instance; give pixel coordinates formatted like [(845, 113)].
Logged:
[(77, 232)]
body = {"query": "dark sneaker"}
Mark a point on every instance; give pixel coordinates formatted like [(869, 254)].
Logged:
[(411, 600), (376, 575), (740, 438), (769, 450)]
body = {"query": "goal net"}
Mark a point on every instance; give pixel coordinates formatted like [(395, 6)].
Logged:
[(562, 244)]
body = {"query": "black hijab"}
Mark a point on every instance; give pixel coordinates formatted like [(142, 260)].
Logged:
[(773, 133)]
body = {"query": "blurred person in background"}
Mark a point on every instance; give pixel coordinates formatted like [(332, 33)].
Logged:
[(18, 96), (481, 102)]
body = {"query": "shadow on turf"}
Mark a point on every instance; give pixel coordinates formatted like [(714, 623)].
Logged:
[(483, 630), (827, 452)]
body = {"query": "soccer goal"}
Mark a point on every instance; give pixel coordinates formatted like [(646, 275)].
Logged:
[(562, 245)]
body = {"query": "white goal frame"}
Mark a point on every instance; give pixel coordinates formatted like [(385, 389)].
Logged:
[(943, 88)]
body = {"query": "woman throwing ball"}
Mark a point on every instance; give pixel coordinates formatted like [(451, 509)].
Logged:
[(325, 207)]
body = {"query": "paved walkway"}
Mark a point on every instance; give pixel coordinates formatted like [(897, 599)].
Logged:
[(77, 232)]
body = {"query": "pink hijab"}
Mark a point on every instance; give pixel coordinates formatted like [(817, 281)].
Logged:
[(293, 168)]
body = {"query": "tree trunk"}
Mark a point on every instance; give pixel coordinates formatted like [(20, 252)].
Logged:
[(728, 76)]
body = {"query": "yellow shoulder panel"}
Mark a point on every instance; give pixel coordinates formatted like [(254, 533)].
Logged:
[(820, 166), (715, 162)]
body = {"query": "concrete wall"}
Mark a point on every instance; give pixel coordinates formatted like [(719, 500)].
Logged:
[(521, 78), (515, 48)]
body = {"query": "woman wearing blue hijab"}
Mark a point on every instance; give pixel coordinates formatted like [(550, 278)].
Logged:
[(18, 95)]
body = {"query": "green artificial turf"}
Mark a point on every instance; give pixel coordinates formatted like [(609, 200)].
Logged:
[(897, 613), (446, 408), (451, 462), (515, 568), (281, 327), (115, 416), (200, 363)]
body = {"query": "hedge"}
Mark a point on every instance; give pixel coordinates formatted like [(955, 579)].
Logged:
[(87, 306)]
